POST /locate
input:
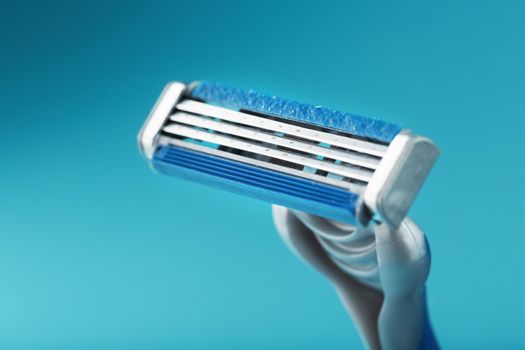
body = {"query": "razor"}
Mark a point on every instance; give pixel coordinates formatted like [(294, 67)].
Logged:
[(318, 160)]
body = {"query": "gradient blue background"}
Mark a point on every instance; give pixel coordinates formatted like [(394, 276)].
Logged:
[(97, 252)]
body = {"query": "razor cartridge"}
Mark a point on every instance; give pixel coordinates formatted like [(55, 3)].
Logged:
[(337, 165)]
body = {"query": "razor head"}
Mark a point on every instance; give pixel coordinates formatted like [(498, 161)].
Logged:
[(341, 166)]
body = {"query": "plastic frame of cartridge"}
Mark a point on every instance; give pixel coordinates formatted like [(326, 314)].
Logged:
[(148, 135), (398, 178)]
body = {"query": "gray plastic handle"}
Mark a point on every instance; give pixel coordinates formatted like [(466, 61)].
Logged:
[(379, 274)]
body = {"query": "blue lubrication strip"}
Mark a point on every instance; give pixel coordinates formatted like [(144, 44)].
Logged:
[(255, 180), (257, 177), (359, 125)]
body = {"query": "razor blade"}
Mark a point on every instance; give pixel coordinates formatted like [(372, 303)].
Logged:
[(337, 165)]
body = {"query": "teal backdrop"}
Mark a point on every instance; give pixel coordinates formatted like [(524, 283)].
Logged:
[(98, 252)]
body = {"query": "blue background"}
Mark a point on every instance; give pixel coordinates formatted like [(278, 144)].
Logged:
[(97, 252)]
